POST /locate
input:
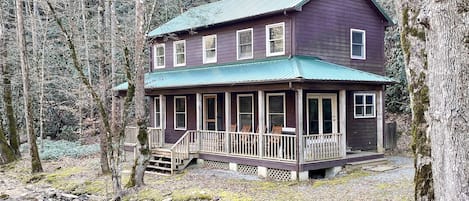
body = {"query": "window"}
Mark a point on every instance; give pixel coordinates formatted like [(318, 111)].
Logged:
[(244, 44), (158, 52), (357, 44), (179, 53), (275, 110), (210, 49), (364, 105), (157, 112), (275, 35), (180, 116), (245, 111)]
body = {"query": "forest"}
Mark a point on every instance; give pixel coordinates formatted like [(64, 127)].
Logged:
[(59, 61)]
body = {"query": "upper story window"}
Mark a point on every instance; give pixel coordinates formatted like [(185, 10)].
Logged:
[(275, 39), (364, 105), (244, 44), (179, 53), (159, 59), (357, 44), (210, 49)]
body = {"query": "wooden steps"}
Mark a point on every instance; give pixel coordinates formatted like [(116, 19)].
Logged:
[(351, 166), (160, 163)]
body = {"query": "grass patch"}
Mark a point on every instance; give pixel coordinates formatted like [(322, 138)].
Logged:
[(191, 194), (340, 180)]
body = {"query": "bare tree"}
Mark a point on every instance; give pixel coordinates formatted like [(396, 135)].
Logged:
[(141, 162), (7, 154), (14, 139), (435, 38), (36, 165)]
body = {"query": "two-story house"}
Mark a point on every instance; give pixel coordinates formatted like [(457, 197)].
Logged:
[(277, 88)]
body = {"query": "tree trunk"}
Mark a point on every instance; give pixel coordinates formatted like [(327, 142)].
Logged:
[(435, 40), (448, 82), (6, 152), (141, 162), (7, 94), (105, 142), (35, 161)]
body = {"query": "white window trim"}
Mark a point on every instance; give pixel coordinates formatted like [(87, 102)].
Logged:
[(267, 40), (185, 113), (363, 57), (268, 108), (320, 97), (237, 44), (205, 110), (154, 111), (238, 113), (364, 105), (174, 53), (204, 49), (155, 56)]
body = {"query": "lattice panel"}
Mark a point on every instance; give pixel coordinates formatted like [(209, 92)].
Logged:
[(247, 169), (278, 175), (216, 165)]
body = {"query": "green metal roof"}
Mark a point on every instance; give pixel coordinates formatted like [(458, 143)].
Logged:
[(224, 11), (268, 70), (230, 10)]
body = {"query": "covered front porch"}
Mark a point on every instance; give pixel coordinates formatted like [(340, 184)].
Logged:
[(283, 114)]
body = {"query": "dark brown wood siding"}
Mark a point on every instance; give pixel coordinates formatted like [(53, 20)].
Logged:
[(322, 29), (361, 133), (226, 41), (171, 135)]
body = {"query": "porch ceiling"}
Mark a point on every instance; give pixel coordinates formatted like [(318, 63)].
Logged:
[(279, 69)]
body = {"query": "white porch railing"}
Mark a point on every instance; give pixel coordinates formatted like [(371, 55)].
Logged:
[(245, 144), (155, 137), (181, 150), (322, 147), (280, 146)]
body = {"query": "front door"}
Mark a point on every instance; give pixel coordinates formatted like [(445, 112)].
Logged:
[(210, 112), (322, 113)]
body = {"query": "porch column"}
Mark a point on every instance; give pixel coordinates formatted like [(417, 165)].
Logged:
[(261, 122), (343, 121), (227, 120), (163, 117), (199, 117), (299, 124), (379, 121)]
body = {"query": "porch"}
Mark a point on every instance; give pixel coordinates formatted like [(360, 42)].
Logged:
[(271, 151)]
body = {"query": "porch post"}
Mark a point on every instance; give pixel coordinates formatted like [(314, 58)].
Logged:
[(261, 123), (299, 124), (199, 119), (163, 118), (379, 121), (199, 123), (343, 121), (227, 121)]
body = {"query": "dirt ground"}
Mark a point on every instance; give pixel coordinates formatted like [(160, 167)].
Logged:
[(79, 179)]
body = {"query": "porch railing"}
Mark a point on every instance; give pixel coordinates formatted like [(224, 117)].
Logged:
[(155, 137), (188, 143), (273, 146), (322, 147)]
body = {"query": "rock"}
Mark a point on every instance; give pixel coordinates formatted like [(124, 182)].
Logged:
[(4, 196), (168, 199)]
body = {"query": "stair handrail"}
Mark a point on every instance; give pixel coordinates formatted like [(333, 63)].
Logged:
[(184, 144)]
